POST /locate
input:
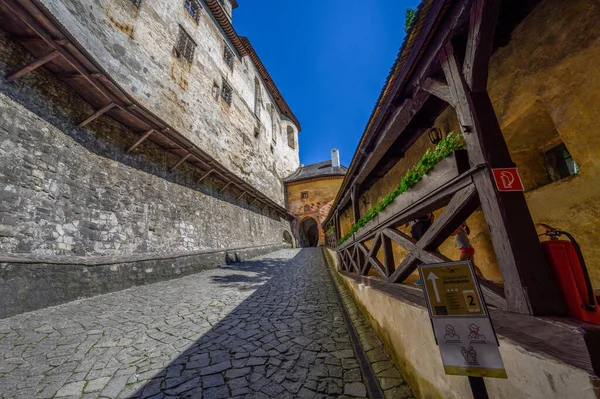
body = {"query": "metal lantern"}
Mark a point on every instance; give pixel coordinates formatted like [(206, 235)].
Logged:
[(435, 135)]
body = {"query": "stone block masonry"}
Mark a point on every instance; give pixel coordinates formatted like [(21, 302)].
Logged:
[(71, 191)]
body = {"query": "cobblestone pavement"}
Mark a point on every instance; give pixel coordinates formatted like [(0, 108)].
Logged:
[(267, 328)]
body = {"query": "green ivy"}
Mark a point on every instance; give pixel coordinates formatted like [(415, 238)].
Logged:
[(330, 229), (444, 149), (408, 18)]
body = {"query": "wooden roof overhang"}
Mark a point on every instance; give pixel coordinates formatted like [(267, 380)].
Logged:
[(404, 110), (34, 27)]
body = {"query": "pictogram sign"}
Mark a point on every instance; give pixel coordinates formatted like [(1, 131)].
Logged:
[(460, 320), (508, 179)]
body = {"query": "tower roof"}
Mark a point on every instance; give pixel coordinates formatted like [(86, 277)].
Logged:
[(316, 170)]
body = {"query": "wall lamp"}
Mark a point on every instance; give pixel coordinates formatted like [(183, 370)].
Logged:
[(435, 135)]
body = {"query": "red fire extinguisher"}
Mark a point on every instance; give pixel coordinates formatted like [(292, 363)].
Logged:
[(571, 275)]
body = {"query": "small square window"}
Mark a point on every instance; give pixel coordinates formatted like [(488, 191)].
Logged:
[(136, 3), (185, 46), (226, 92), (193, 8), (228, 55), (304, 194), (306, 208), (560, 163)]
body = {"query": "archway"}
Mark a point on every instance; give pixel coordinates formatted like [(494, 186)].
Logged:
[(309, 233)]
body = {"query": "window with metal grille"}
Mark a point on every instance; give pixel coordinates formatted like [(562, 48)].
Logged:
[(136, 3), (291, 138), (306, 208), (257, 98), (226, 92), (304, 194), (228, 55), (273, 123), (185, 46), (560, 163), (193, 8)]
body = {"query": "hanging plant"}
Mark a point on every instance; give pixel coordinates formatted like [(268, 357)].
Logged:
[(444, 149)]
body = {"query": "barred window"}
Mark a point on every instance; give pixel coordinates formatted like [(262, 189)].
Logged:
[(193, 7), (185, 46), (290, 137), (228, 55), (136, 3), (257, 98), (304, 194), (306, 208), (226, 92)]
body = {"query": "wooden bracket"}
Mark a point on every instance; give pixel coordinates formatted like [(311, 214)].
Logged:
[(32, 66), (439, 89), (98, 113), (140, 140), (182, 160)]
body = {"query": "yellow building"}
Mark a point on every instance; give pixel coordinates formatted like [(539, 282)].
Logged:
[(310, 192)]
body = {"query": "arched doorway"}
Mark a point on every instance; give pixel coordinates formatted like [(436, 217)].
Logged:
[(309, 233)]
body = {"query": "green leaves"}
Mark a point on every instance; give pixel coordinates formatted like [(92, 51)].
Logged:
[(444, 149), (330, 229)]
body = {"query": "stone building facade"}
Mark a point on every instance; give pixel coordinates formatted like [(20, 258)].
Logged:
[(70, 190), (310, 192)]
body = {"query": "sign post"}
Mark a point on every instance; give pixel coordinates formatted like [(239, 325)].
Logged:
[(461, 323)]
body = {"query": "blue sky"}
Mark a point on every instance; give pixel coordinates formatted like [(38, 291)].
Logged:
[(330, 59)]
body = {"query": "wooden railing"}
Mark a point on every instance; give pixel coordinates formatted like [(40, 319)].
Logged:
[(450, 184)]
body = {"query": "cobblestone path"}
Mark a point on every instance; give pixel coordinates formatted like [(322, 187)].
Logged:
[(267, 328)]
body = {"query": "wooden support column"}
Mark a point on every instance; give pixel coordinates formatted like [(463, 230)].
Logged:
[(528, 283), (139, 141), (98, 113), (355, 204), (32, 66), (338, 233)]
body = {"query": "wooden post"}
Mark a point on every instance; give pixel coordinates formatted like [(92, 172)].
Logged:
[(528, 283), (338, 233), (355, 204)]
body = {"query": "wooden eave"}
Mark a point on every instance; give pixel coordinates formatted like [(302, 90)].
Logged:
[(271, 87), (403, 109), (225, 23), (31, 24)]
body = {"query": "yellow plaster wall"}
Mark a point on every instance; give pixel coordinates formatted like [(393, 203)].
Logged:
[(321, 194), (545, 86)]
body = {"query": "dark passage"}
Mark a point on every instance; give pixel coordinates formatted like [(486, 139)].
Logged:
[(309, 233)]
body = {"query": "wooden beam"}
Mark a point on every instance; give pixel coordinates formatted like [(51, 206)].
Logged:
[(528, 281), (204, 176), (438, 89), (388, 255), (241, 195), (372, 253), (140, 140), (32, 66), (98, 113), (411, 246), (224, 188), (182, 160), (374, 261), (462, 205), (355, 205), (484, 16)]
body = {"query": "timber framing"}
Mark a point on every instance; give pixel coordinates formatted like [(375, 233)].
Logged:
[(444, 62), (36, 29)]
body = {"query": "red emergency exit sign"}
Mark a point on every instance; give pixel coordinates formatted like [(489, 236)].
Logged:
[(508, 179)]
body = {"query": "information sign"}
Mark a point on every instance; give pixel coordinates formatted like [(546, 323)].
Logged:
[(508, 179), (460, 320)]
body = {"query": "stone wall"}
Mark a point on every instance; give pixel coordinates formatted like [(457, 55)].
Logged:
[(74, 191), (136, 47), (29, 282)]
